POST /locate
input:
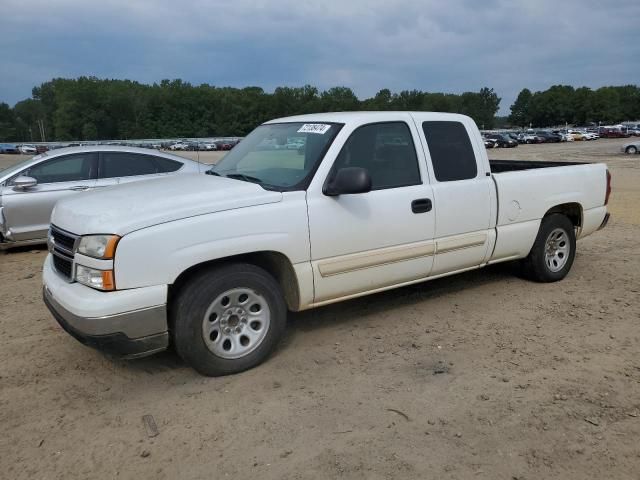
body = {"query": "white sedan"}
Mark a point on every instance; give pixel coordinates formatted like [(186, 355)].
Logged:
[(591, 136), (27, 149), (30, 189)]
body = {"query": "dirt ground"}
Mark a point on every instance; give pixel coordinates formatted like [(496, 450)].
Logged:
[(482, 375)]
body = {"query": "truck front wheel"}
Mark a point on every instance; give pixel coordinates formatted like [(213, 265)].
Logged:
[(553, 251), (228, 319)]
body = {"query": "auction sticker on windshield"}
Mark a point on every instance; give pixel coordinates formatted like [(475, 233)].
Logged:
[(320, 128)]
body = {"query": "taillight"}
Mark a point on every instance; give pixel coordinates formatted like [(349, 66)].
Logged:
[(606, 197)]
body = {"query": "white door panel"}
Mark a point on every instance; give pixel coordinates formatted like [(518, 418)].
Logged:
[(462, 206), (372, 240), (392, 244), (460, 251), (462, 211)]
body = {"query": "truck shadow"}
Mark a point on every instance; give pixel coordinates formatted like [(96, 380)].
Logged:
[(350, 311), (41, 247)]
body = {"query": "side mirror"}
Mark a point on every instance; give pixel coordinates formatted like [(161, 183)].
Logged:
[(22, 183), (349, 180)]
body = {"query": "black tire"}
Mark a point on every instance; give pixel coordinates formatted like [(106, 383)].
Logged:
[(187, 315), (631, 150), (535, 266)]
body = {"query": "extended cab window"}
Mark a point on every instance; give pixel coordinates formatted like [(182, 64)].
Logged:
[(451, 151), (123, 164), (68, 168), (386, 150)]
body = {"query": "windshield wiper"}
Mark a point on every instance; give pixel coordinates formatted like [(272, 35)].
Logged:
[(242, 176)]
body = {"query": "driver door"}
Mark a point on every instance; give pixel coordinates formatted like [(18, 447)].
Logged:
[(27, 211), (370, 241)]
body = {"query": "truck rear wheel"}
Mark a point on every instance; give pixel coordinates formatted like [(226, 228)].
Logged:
[(228, 319), (553, 251)]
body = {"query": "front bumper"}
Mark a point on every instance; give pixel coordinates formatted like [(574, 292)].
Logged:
[(97, 318)]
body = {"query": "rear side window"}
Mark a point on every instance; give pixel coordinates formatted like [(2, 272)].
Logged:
[(386, 150), (123, 164), (451, 151), (165, 165)]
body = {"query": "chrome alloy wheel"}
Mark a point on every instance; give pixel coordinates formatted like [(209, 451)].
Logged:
[(557, 249), (236, 323)]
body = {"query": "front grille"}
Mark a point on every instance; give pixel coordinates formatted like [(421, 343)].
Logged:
[(62, 246), (63, 266), (62, 240)]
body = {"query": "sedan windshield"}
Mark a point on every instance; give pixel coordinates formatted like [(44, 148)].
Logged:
[(9, 171), (279, 156)]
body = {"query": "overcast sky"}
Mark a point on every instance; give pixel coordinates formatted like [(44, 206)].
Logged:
[(431, 45)]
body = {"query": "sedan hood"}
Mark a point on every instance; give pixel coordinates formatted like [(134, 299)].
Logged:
[(124, 208)]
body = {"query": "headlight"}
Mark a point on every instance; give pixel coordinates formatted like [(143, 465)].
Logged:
[(98, 246), (99, 279)]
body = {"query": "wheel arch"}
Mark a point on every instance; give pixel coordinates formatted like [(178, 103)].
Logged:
[(275, 263), (572, 210)]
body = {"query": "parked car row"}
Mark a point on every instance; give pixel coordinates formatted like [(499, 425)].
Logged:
[(173, 145), (9, 148), (513, 139), (25, 149), (499, 140), (633, 129), (185, 145)]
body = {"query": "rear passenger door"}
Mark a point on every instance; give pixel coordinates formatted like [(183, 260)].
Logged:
[(124, 167), (463, 192)]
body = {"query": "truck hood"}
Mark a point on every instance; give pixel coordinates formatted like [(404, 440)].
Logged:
[(122, 209)]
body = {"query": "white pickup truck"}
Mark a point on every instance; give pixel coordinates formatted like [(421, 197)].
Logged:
[(368, 202)]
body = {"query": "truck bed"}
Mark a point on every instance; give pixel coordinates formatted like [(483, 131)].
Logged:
[(528, 190), (500, 166)]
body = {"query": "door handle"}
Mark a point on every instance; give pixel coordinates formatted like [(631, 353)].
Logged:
[(421, 205), (80, 188)]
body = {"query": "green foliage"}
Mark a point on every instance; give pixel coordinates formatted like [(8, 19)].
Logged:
[(7, 122), (88, 108), (562, 104), (520, 109)]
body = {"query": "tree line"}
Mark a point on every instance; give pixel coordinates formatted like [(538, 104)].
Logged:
[(564, 104), (89, 108)]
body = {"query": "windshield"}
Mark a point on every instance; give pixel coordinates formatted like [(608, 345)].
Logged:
[(10, 170), (279, 156)]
